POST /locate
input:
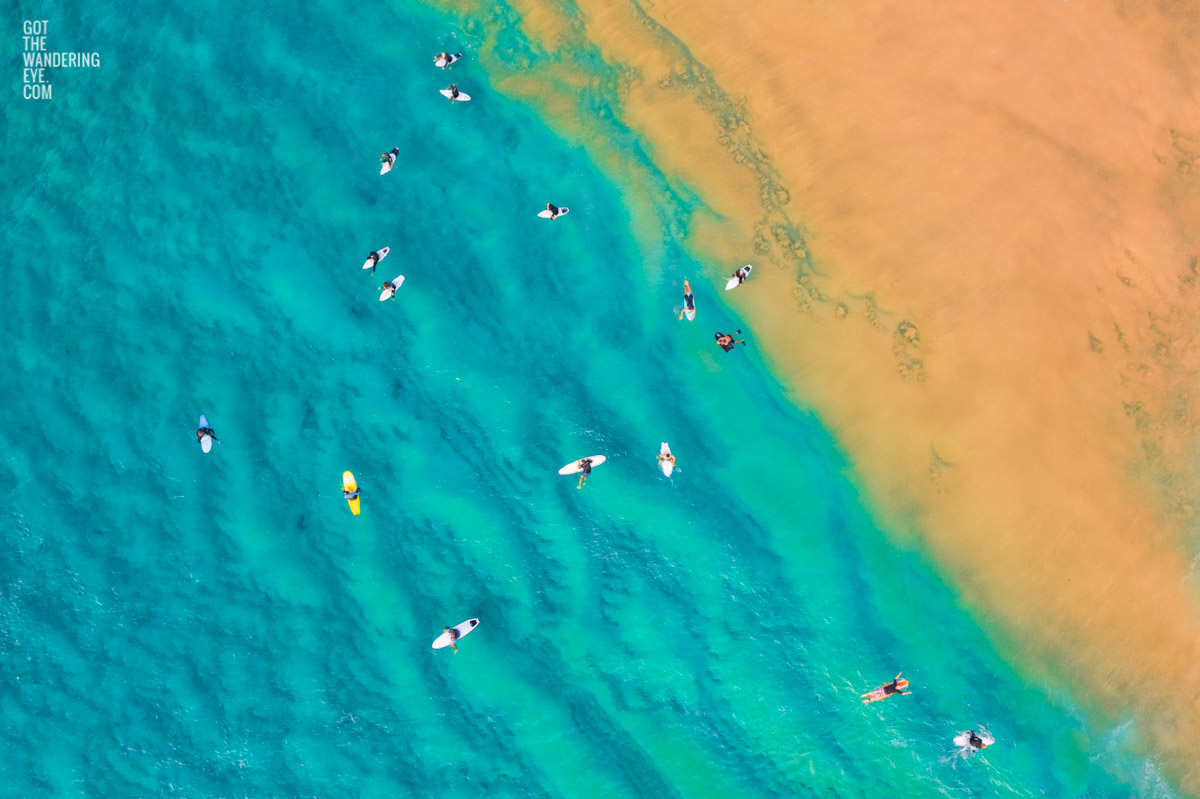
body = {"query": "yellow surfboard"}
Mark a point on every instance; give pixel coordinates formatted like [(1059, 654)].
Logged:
[(350, 487)]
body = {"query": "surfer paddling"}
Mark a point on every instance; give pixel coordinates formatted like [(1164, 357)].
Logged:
[(896, 686), (726, 341), (666, 457), (689, 303)]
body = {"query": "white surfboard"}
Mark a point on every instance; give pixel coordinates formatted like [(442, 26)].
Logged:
[(462, 96), (666, 466), (545, 213), (443, 63), (369, 264), (388, 293), (206, 439), (387, 165), (443, 640), (733, 282), (575, 468)]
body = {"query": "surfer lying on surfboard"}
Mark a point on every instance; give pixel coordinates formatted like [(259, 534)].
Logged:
[(726, 342), (689, 302), (896, 686), (207, 431), (668, 458)]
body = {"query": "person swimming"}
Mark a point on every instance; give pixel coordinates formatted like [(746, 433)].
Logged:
[(726, 342), (453, 633), (689, 302), (586, 466)]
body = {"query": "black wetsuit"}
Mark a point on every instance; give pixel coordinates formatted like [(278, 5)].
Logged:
[(974, 740), (689, 302), (726, 347), (587, 466), (553, 209)]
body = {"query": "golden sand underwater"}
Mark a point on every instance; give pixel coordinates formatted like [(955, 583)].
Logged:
[(975, 230)]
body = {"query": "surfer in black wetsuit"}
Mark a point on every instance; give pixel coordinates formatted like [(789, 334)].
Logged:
[(689, 302), (389, 158), (741, 275), (206, 431), (553, 209), (975, 741), (443, 57), (586, 466), (374, 258), (388, 285), (453, 633), (726, 342), (453, 92)]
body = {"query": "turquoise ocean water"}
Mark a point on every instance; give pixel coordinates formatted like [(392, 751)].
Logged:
[(185, 233)]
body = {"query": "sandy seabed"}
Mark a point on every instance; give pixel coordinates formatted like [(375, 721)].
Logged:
[(977, 231)]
